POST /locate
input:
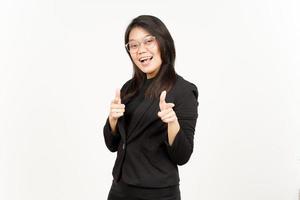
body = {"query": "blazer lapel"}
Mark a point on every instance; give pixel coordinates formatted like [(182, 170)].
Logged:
[(121, 128), (138, 117), (121, 124)]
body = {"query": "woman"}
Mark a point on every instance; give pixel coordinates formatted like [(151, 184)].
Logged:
[(152, 119)]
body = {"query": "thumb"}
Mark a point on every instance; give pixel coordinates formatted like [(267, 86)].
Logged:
[(162, 100), (118, 96)]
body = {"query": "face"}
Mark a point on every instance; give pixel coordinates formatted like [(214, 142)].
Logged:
[(144, 51)]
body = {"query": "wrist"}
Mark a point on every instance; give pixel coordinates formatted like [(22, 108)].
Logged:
[(173, 123), (174, 126), (112, 123)]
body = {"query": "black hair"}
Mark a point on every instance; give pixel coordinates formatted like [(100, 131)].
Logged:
[(166, 77)]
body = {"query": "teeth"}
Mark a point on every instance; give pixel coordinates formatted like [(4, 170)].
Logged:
[(145, 58)]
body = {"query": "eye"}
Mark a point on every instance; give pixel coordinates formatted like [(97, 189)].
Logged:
[(133, 45), (149, 41)]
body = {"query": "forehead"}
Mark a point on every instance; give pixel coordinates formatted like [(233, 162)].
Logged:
[(138, 33)]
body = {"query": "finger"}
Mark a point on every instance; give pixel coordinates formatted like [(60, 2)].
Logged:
[(117, 96), (169, 105), (159, 114), (113, 105), (168, 115), (166, 111), (117, 110), (172, 119), (162, 100), (117, 115)]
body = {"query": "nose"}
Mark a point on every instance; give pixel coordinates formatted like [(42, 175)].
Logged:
[(141, 48)]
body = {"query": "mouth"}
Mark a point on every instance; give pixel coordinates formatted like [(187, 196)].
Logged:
[(146, 59)]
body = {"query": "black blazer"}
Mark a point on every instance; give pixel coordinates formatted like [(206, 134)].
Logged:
[(145, 157)]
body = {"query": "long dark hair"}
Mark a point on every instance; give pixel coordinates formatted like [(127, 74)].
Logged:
[(166, 77)]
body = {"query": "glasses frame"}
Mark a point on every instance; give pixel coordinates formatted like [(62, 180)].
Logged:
[(139, 43)]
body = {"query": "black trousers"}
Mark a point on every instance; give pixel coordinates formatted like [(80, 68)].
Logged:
[(122, 191)]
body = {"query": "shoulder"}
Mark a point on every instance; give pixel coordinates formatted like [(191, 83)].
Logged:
[(185, 97), (183, 87), (182, 92), (126, 85)]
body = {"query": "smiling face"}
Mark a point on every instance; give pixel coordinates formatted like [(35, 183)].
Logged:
[(144, 51)]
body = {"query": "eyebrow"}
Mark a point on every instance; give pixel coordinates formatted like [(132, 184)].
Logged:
[(143, 38)]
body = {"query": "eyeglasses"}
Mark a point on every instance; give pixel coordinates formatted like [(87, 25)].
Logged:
[(148, 42)]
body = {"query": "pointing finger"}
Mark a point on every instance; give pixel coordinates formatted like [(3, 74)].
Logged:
[(170, 105), (162, 100), (118, 96)]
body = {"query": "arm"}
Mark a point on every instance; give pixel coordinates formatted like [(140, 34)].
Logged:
[(181, 132), (112, 139), (111, 133)]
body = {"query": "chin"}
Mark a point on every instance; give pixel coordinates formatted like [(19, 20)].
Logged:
[(147, 71)]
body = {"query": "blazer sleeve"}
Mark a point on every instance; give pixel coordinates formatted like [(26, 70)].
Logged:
[(112, 140), (186, 109)]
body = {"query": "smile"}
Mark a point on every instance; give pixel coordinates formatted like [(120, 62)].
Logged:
[(145, 59)]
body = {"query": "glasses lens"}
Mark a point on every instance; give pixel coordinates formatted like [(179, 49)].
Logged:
[(149, 41), (133, 46)]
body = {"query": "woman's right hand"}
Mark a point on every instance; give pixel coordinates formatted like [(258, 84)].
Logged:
[(117, 110)]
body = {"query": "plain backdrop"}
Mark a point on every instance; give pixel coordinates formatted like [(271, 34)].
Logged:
[(61, 61)]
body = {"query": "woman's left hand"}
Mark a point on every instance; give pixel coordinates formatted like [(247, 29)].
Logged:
[(166, 113)]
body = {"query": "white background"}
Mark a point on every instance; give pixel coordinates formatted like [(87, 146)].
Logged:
[(61, 60)]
